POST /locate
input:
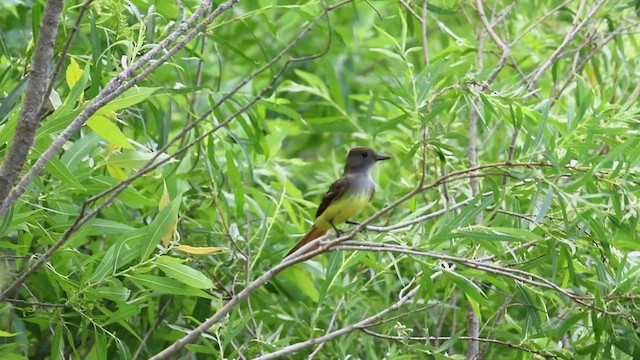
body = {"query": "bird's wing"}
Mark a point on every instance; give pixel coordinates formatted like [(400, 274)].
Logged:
[(335, 191)]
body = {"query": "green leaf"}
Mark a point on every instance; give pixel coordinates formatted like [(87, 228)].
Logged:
[(467, 286), (125, 312), (167, 285), (12, 99), (80, 149), (112, 293), (128, 98), (126, 248), (104, 226), (58, 169), (8, 334), (135, 159), (302, 280), (183, 273), (159, 226)]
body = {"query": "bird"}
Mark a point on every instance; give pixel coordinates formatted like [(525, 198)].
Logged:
[(347, 196)]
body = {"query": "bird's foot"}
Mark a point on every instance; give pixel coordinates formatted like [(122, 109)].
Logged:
[(338, 231)]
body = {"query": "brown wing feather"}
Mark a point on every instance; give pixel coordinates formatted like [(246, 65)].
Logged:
[(335, 191)]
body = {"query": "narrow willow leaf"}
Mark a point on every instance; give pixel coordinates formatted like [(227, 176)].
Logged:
[(112, 293), (8, 334), (126, 248), (80, 149), (164, 201), (57, 344), (56, 168), (5, 221), (109, 227), (109, 131), (14, 96), (127, 99), (135, 159), (314, 81), (117, 172), (125, 312), (167, 285), (467, 286), (159, 227), (302, 280), (544, 208), (195, 250), (184, 273)]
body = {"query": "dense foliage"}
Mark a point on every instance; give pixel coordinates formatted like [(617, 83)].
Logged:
[(220, 156)]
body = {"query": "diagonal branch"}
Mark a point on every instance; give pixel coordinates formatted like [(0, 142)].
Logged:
[(568, 38)]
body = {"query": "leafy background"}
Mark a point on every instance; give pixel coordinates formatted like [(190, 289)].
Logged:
[(236, 191)]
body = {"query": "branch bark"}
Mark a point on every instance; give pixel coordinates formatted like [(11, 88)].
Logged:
[(33, 98)]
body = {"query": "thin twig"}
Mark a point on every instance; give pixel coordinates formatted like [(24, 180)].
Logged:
[(413, 12), (463, 338), (568, 38), (316, 351), (345, 330), (36, 303), (158, 321)]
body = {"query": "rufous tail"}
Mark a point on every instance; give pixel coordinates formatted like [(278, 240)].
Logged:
[(313, 234)]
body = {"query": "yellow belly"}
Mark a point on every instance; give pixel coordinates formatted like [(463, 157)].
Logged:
[(342, 210)]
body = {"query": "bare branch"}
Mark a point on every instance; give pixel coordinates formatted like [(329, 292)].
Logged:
[(506, 49)]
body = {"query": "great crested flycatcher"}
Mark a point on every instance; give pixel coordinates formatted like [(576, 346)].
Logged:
[(347, 196)]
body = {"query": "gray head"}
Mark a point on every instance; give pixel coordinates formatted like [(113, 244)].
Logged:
[(361, 159)]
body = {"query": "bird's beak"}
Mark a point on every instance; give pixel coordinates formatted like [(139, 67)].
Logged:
[(379, 157)]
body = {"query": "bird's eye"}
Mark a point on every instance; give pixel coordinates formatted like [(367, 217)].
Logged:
[(364, 154)]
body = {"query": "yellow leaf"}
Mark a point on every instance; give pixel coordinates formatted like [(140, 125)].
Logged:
[(109, 131), (164, 199), (117, 172), (73, 73), (196, 250)]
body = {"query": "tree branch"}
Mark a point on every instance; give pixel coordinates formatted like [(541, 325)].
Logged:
[(33, 98)]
